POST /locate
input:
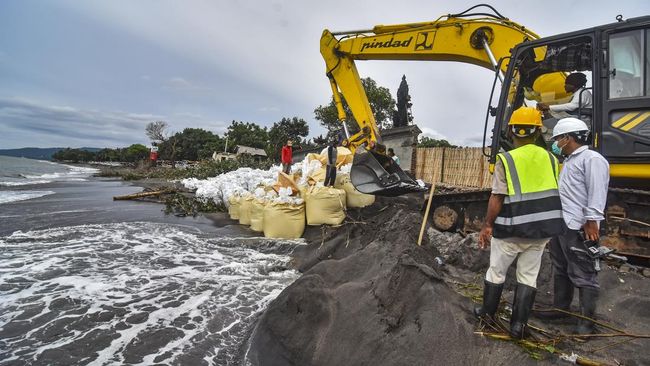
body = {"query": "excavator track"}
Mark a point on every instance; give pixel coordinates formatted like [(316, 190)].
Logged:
[(626, 228)]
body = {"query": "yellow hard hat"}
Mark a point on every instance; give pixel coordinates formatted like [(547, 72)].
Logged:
[(527, 116)]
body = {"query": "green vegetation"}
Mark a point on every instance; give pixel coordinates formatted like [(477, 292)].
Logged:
[(133, 153), (294, 129), (201, 170), (429, 142), (181, 204), (381, 101)]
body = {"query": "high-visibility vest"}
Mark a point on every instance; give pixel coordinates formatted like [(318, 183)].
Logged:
[(532, 208)]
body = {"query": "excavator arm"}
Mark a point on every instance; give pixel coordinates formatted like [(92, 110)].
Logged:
[(480, 39)]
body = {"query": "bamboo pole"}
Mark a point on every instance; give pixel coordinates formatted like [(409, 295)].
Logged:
[(426, 213), (141, 195)]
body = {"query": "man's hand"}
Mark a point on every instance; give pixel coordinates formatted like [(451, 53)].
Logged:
[(484, 237), (591, 230), (542, 107)]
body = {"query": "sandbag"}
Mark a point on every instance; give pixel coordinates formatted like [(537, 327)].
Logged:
[(317, 176), (257, 214), (319, 157), (233, 207), (302, 191), (353, 198), (341, 178), (325, 205), (343, 156), (245, 210), (356, 199), (283, 220)]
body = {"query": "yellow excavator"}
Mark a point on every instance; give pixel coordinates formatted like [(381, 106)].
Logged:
[(616, 58)]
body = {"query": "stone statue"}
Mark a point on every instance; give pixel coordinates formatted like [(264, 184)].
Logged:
[(402, 117)]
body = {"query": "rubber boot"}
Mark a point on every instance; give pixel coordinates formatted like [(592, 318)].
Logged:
[(562, 298), (588, 299), (521, 308), (491, 300)]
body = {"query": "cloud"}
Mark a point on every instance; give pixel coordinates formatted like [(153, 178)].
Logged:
[(179, 84), (30, 123), (429, 132), (269, 109)]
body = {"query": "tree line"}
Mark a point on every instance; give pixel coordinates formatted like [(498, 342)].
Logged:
[(198, 144), (132, 154)]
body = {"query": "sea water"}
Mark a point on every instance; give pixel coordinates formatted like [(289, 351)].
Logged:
[(88, 281), (21, 172)]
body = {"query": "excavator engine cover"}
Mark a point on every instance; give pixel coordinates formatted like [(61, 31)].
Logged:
[(378, 174)]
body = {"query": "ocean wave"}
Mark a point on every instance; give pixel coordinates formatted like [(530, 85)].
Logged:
[(134, 293), (17, 183), (14, 196)]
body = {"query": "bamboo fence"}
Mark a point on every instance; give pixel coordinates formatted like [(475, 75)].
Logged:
[(466, 167)]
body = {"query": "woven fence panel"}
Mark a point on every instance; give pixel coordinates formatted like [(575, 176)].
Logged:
[(429, 164), (455, 166)]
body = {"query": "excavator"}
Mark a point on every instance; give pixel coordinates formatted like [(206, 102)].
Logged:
[(616, 58)]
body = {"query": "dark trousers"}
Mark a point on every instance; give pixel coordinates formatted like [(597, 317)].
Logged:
[(330, 175), (286, 168), (576, 266)]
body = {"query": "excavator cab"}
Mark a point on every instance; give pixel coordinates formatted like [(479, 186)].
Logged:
[(374, 172)]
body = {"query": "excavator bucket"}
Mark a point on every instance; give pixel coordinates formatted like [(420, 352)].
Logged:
[(378, 174)]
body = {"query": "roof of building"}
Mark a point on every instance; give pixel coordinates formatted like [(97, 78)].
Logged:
[(253, 151)]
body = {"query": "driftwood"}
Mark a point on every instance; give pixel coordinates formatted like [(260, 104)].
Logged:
[(142, 195)]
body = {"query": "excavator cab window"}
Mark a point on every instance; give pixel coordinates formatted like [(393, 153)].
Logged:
[(625, 131), (556, 78)]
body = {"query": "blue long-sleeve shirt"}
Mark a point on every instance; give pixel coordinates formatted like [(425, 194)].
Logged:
[(583, 187)]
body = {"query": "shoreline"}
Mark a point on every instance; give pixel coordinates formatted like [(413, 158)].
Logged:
[(374, 275)]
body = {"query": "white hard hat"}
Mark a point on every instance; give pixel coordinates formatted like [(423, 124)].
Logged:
[(567, 125)]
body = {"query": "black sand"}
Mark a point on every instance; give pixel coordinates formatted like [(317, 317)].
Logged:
[(370, 296)]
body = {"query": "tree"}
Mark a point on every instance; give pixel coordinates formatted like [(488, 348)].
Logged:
[(74, 155), (429, 142), (135, 152), (192, 141), (294, 129), (381, 103), (157, 131), (247, 134), (167, 146)]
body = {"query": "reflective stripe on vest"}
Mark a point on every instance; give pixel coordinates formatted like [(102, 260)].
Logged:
[(532, 211)]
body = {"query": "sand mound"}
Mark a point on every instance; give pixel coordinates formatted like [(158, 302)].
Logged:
[(370, 296)]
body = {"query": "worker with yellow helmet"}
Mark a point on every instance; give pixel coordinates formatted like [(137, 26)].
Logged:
[(524, 212)]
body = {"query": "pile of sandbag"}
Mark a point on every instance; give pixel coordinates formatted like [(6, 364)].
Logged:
[(280, 205)]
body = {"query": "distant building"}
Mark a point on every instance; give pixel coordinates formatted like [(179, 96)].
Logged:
[(221, 156), (255, 153)]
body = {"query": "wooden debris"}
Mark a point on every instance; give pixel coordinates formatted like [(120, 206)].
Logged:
[(142, 195)]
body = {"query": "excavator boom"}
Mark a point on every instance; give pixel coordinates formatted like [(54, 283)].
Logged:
[(479, 39)]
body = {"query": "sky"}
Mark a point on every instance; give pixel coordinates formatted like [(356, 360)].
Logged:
[(94, 73)]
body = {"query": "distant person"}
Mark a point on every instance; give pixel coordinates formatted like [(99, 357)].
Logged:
[(287, 157), (330, 172), (524, 212), (391, 153)]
